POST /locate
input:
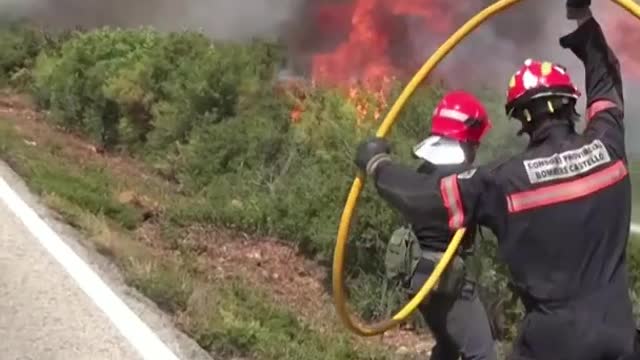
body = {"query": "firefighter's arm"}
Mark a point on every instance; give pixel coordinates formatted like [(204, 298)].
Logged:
[(603, 82), (416, 196), (453, 202), (472, 197)]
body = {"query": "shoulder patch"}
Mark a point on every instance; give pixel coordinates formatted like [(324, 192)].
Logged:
[(567, 164), (467, 174)]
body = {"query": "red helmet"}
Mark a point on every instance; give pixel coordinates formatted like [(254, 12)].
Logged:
[(458, 118), (537, 79)]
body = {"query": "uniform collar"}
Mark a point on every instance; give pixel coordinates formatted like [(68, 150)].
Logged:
[(551, 130)]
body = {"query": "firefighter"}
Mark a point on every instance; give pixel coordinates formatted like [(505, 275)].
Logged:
[(454, 313), (560, 209)]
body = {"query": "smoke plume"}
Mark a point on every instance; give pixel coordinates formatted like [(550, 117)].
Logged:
[(221, 19)]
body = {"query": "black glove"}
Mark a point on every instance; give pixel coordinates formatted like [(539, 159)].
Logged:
[(578, 9), (371, 153)]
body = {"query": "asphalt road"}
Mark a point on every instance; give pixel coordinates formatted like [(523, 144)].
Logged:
[(51, 310)]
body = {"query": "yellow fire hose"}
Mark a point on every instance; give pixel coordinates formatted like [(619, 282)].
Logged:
[(356, 188)]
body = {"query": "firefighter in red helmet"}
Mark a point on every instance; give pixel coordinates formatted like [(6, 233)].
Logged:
[(539, 88), (454, 313), (458, 124), (560, 209)]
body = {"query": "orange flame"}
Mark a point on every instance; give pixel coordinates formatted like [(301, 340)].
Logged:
[(363, 63), (376, 26)]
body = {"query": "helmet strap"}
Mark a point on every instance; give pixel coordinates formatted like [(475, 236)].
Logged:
[(538, 110)]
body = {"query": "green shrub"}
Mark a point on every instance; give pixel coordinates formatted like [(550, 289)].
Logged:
[(139, 87), (78, 82), (20, 44), (265, 174)]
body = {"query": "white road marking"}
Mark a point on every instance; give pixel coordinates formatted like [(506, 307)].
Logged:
[(128, 323)]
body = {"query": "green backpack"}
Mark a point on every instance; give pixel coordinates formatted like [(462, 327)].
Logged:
[(402, 255)]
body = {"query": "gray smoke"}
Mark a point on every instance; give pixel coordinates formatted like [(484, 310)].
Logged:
[(532, 29), (220, 19), (498, 47)]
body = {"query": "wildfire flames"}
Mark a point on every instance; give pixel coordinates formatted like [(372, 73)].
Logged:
[(370, 44), (375, 26), (362, 63)]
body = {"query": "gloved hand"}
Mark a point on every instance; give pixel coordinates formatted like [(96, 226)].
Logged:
[(371, 153), (578, 9)]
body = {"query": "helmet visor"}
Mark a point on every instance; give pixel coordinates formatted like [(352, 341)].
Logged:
[(440, 151)]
